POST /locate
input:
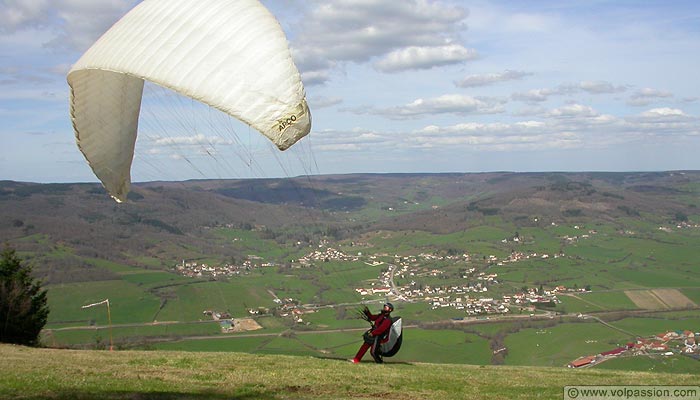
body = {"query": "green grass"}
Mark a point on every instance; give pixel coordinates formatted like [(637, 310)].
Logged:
[(128, 303), (444, 346), (609, 300), (693, 294), (329, 318), (187, 302), (560, 344), (491, 328), (231, 343), (114, 267), (658, 324), (153, 278), (250, 242), (323, 345), (68, 374), (571, 304), (672, 364), (476, 240), (655, 278)]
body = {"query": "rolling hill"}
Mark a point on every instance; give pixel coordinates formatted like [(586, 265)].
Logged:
[(161, 217)]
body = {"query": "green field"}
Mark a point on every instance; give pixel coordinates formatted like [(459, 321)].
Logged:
[(609, 301), (664, 364), (693, 294), (651, 325), (561, 344), (129, 303)]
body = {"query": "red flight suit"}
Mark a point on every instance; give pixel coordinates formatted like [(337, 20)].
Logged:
[(382, 324)]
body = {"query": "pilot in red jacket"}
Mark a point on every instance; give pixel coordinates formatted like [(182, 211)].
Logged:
[(381, 323)]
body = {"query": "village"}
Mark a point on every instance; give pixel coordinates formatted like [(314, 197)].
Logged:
[(470, 297), (194, 269), (679, 225), (456, 296), (669, 343)]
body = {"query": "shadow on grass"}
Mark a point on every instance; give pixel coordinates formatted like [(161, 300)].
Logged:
[(366, 361)]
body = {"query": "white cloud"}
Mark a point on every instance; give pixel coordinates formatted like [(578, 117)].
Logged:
[(74, 24), (592, 87), (354, 25), (22, 14), (530, 111), (314, 66), (600, 87), (572, 110), (324, 102), (446, 104), (662, 115), (312, 78), (663, 122), (474, 128), (356, 139), (525, 135), (337, 31), (84, 21), (499, 137), (415, 57), (584, 128), (339, 147), (194, 140), (489, 79), (646, 96), (534, 95)]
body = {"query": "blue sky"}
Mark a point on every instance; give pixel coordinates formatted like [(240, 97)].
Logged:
[(398, 86)]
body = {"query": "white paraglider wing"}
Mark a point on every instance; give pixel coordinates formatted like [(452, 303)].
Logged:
[(229, 54)]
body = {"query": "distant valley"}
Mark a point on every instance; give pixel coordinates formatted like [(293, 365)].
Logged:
[(447, 248)]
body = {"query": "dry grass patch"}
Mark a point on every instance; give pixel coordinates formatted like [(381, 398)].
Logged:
[(646, 300), (673, 298)]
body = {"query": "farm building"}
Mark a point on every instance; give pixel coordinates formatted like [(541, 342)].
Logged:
[(580, 362), (614, 352)]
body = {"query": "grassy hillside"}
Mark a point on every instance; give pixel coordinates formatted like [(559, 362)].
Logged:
[(29, 373)]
